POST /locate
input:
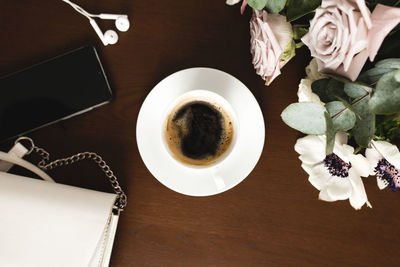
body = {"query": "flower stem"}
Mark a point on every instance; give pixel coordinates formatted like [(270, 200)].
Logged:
[(353, 104)]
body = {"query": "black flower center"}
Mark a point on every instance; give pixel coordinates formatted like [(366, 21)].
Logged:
[(388, 174), (336, 166)]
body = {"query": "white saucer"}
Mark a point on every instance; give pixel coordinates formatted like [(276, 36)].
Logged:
[(200, 182)]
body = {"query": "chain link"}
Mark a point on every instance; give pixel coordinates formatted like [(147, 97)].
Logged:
[(45, 164)]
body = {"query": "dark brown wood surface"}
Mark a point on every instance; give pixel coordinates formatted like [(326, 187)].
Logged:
[(272, 218)]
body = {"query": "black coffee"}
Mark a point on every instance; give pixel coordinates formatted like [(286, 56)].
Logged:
[(198, 132)]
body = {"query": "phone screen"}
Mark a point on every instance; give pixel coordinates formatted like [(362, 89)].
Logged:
[(55, 89)]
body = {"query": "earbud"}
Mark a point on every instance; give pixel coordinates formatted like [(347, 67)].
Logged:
[(121, 21), (110, 36)]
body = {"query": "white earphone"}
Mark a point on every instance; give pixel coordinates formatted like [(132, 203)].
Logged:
[(110, 36)]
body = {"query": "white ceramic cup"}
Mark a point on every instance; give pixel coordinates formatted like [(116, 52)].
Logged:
[(213, 99)]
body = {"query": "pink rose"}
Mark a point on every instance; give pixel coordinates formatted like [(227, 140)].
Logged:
[(343, 33), (270, 36)]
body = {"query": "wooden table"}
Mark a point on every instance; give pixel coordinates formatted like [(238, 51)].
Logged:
[(272, 218)]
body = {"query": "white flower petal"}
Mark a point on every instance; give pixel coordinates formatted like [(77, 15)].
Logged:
[(389, 152), (373, 156), (305, 93), (361, 165), (382, 184), (339, 188), (323, 195), (358, 197), (232, 2), (319, 176), (343, 151), (312, 71), (311, 149), (307, 167), (341, 138)]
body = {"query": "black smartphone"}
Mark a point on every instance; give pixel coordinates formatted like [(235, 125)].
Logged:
[(53, 90)]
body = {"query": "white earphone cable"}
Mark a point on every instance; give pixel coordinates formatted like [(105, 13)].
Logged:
[(80, 9)]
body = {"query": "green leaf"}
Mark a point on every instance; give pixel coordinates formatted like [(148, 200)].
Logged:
[(348, 105), (299, 44), (299, 8), (306, 117), (356, 90), (289, 52), (337, 77), (371, 76), (389, 63), (257, 4), (386, 98), (364, 128), (328, 89), (387, 128), (330, 134), (343, 118), (275, 6), (299, 32)]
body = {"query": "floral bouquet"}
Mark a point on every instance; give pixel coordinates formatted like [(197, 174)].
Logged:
[(348, 108)]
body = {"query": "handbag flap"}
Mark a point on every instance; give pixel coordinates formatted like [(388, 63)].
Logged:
[(49, 224)]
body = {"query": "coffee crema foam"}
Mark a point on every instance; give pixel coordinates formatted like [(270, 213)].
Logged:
[(198, 132)]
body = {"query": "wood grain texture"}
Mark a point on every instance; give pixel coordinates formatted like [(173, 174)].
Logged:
[(273, 218)]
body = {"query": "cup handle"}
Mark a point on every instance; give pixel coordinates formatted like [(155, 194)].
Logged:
[(219, 181)]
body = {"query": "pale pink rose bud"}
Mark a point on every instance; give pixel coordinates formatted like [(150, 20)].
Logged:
[(270, 35)]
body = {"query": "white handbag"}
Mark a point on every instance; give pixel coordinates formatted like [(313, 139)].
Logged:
[(46, 224)]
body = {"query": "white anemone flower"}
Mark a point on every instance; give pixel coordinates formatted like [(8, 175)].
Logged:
[(338, 175), (305, 93), (385, 161)]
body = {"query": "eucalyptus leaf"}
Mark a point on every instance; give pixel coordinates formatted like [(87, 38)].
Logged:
[(356, 90), (386, 98), (371, 76), (257, 4), (364, 127), (389, 63), (337, 77), (328, 89), (306, 117), (299, 8), (343, 118), (330, 134), (348, 105), (275, 6)]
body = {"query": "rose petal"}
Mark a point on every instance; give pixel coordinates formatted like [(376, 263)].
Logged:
[(360, 43), (388, 151), (281, 29), (355, 67), (311, 149), (319, 176), (384, 19), (365, 12)]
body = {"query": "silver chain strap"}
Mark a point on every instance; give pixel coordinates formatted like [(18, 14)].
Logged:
[(45, 164)]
